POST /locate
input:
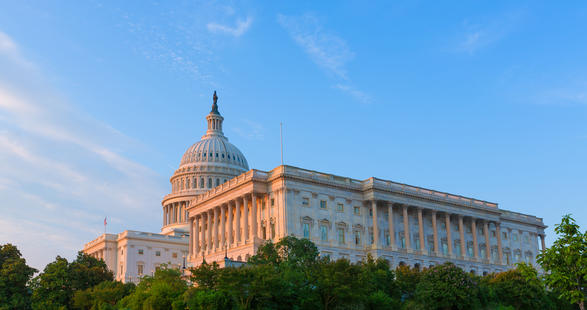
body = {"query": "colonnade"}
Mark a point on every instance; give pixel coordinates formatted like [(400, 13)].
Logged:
[(235, 222), (435, 215), (175, 212)]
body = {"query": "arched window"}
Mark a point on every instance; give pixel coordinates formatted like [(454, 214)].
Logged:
[(209, 182), (217, 181), (201, 182)]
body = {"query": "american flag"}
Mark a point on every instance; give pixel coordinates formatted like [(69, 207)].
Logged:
[(104, 221)]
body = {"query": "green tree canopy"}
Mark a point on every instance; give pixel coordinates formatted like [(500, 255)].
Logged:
[(565, 262), (14, 275), (162, 291)]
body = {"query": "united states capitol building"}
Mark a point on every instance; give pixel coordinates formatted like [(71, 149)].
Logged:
[(221, 211)]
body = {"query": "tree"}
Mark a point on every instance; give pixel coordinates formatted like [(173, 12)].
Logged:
[(102, 296), (55, 286), (14, 275), (161, 292), (520, 288), (337, 283), (446, 286), (565, 262)]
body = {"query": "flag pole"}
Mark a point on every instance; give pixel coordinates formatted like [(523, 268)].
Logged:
[(281, 137)]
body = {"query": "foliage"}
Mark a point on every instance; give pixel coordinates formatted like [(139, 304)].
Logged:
[(520, 288), (162, 291), (55, 286), (446, 286), (565, 262), (14, 275), (102, 296)]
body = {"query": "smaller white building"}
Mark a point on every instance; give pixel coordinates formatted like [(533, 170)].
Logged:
[(134, 254)]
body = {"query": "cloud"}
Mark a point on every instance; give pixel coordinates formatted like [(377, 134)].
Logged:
[(325, 49), (62, 171), (251, 130), (481, 34), (241, 27), (355, 93), (573, 93)]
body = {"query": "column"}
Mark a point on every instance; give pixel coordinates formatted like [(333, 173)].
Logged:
[(421, 230), (406, 228), (487, 246), (435, 231), (498, 235), (448, 233), (375, 227), (230, 239), (462, 236), (390, 226), (267, 216), (215, 229), (475, 245), (237, 211), (209, 229), (203, 233), (164, 216), (246, 219), (223, 242), (191, 241), (542, 242), (254, 223), (197, 235), (168, 207), (175, 212)]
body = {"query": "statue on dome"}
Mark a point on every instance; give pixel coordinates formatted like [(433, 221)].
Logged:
[(214, 105)]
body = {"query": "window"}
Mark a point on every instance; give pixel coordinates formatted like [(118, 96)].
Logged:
[(140, 251), (272, 230), (526, 239), (121, 269), (340, 207), (468, 229), (306, 230), (370, 212), (515, 237), (263, 205), (174, 255), (157, 253), (504, 235), (357, 237), (140, 269), (493, 234), (444, 247), (470, 250), (482, 251), (202, 183), (306, 201), (272, 202), (457, 247), (417, 243), (217, 181), (323, 204), (357, 210), (494, 255), (371, 237), (209, 182), (340, 235), (323, 233)]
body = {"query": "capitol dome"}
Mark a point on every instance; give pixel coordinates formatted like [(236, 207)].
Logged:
[(206, 164)]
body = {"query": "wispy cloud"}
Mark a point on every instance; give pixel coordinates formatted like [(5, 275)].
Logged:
[(250, 130), (326, 49), (480, 34), (355, 93), (239, 29), (62, 171), (572, 93)]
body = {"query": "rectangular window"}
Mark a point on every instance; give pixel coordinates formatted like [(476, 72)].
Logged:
[(457, 247), (140, 251), (417, 243), (357, 210), (140, 270), (371, 237), (387, 239), (470, 251), (370, 212), (157, 253), (324, 233), (272, 230), (357, 237), (306, 230), (174, 255), (444, 248), (515, 237), (323, 204), (272, 202), (340, 207), (305, 201), (341, 236), (505, 235), (263, 205), (493, 234)]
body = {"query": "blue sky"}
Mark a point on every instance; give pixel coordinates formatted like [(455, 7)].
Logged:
[(99, 100)]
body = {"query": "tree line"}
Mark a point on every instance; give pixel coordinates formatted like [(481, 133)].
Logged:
[(291, 274)]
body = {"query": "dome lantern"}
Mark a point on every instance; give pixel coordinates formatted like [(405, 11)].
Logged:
[(214, 120)]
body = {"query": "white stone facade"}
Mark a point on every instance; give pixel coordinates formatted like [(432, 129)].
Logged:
[(134, 254), (340, 214)]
